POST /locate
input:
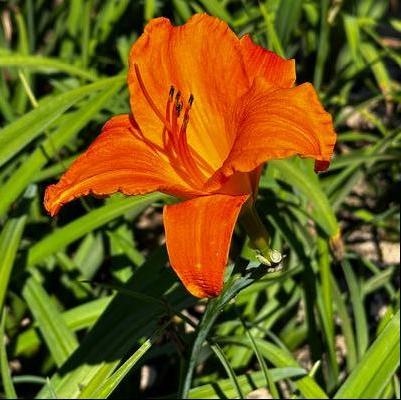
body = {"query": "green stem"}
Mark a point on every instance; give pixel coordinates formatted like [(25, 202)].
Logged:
[(258, 235)]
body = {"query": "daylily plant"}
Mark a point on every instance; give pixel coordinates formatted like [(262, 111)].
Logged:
[(207, 110)]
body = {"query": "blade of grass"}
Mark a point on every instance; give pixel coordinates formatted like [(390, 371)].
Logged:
[(183, 9), (376, 367), (377, 281), (270, 29), (358, 308), (77, 318), (83, 225), (107, 17), (111, 383), (4, 367), (18, 134), (346, 326), (85, 29), (20, 179), (282, 359), (324, 44), (344, 182), (68, 42), (20, 99), (287, 18), (351, 27), (233, 286), (149, 9), (379, 69), (347, 160), (216, 8), (9, 243), (29, 12), (229, 370), (29, 379), (89, 256), (248, 383), (55, 169), (262, 363), (326, 309), (52, 393), (59, 339), (45, 65), (299, 174), (120, 327)]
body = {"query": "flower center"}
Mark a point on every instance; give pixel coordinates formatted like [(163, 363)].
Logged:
[(174, 134)]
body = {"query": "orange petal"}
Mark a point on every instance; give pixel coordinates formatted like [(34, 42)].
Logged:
[(265, 63), (202, 58), (276, 123), (116, 161), (198, 235)]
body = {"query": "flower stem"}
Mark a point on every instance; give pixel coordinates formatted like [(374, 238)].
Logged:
[(258, 235)]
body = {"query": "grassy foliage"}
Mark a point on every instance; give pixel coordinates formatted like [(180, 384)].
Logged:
[(88, 307)]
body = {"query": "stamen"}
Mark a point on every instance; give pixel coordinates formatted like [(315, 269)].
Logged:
[(184, 147), (174, 138), (136, 130), (186, 114), (178, 108), (191, 100), (168, 112), (171, 93), (149, 99), (178, 103)]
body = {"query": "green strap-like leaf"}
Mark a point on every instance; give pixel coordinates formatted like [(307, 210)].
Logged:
[(377, 366), (248, 382), (282, 359), (9, 242), (26, 173), (45, 64), (60, 340), (228, 368), (4, 368), (361, 324), (111, 383), (80, 317), (81, 226), (118, 330), (18, 134), (306, 181)]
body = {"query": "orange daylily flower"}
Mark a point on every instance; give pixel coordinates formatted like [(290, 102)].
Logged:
[(207, 110)]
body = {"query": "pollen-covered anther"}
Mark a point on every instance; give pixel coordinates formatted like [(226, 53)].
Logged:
[(186, 113), (191, 100), (178, 104), (183, 146), (171, 93)]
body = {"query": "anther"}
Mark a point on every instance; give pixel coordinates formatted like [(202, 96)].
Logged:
[(184, 123), (178, 103), (190, 100), (171, 92), (178, 107)]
